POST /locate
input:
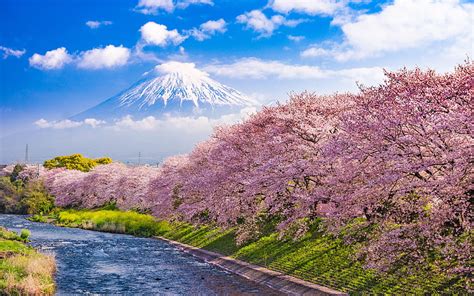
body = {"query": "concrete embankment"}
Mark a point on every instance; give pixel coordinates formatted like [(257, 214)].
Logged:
[(275, 280)]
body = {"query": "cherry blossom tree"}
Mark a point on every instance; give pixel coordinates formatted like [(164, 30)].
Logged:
[(404, 161), (66, 185)]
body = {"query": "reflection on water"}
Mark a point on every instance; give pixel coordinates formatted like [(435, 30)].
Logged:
[(101, 263)]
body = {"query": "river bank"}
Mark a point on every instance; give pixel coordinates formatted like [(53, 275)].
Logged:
[(23, 270), (318, 257)]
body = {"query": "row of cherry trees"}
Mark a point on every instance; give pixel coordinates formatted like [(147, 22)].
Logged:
[(117, 183), (395, 158)]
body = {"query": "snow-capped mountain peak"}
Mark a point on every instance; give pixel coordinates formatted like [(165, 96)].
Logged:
[(172, 87)]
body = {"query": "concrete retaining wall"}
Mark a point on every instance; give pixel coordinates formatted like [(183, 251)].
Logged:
[(275, 280)]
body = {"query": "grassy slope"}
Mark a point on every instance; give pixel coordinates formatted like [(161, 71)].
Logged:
[(317, 257), (24, 271)]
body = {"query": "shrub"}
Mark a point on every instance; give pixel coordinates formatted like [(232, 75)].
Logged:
[(75, 162), (25, 234), (16, 172), (29, 198), (9, 196), (36, 200)]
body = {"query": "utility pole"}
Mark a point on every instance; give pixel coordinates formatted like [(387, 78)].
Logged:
[(26, 154), (139, 157)]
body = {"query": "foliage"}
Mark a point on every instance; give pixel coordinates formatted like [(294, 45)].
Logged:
[(103, 160), (16, 172), (10, 235), (25, 234), (112, 221), (75, 162), (24, 271), (9, 196), (29, 198), (36, 200), (20, 174)]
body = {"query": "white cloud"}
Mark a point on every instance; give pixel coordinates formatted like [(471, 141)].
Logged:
[(364, 75), (61, 124), (11, 52), (214, 26), (157, 34), (97, 24), (147, 123), (93, 122), (182, 123), (154, 6), (97, 58), (402, 25), (311, 7), (180, 55), (207, 29), (53, 59), (170, 67), (108, 57), (260, 23), (66, 123), (295, 38), (186, 3), (198, 34), (232, 118), (315, 51), (262, 69), (408, 24)]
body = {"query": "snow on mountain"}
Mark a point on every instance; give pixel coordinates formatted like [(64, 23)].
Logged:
[(172, 88)]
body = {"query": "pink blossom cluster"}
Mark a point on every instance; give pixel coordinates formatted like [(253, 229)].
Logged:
[(112, 183), (395, 158), (29, 171), (7, 171)]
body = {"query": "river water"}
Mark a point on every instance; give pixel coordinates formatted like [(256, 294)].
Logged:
[(92, 262)]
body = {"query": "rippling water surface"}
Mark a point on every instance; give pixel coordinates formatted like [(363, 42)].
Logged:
[(101, 263)]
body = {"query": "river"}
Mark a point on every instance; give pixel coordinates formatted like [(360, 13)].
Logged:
[(92, 262)]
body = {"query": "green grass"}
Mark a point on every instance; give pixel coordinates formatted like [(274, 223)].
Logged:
[(113, 221), (24, 271), (318, 257)]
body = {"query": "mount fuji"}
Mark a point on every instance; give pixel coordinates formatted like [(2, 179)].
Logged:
[(173, 89)]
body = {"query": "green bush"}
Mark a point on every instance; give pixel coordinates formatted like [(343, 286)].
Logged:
[(75, 162), (16, 171), (10, 196), (29, 198), (38, 218), (9, 235), (36, 200), (25, 234)]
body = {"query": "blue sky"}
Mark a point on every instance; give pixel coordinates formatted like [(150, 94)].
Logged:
[(58, 58)]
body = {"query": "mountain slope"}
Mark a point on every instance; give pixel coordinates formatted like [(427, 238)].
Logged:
[(178, 89)]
